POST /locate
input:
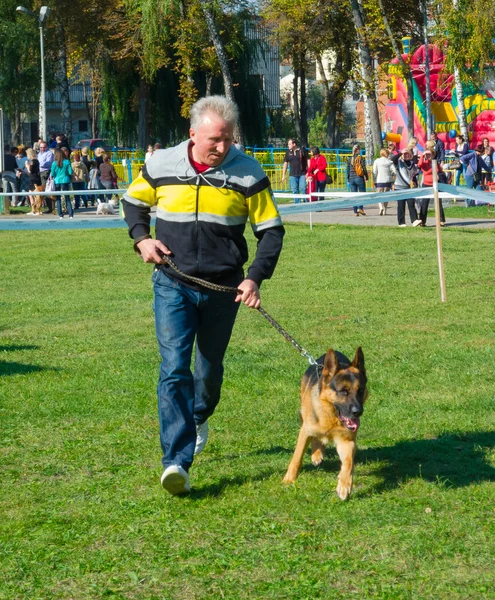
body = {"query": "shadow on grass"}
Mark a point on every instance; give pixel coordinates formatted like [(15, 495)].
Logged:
[(455, 460), (14, 368), (219, 487), (18, 348)]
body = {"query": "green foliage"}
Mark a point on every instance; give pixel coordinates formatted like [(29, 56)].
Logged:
[(467, 31), (317, 131), (84, 514), (19, 61)]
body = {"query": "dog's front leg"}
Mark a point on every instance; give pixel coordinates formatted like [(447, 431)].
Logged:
[(346, 450), (296, 462)]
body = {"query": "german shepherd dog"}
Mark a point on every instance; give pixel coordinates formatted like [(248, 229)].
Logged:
[(332, 398)]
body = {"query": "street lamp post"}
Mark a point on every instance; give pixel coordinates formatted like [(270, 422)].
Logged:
[(44, 12)]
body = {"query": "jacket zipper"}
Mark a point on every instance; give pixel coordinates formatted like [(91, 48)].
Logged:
[(198, 271)]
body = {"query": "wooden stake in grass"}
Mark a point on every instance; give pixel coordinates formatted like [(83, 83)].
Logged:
[(438, 229)]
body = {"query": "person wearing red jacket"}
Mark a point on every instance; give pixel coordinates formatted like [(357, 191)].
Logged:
[(316, 173), (426, 165)]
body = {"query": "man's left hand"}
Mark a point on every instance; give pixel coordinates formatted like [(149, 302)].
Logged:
[(250, 294)]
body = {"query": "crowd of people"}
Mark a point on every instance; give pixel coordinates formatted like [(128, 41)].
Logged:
[(53, 167), (394, 169)]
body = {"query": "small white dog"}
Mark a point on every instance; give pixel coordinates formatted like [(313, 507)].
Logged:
[(106, 208)]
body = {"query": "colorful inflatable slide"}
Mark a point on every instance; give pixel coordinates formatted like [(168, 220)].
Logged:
[(479, 104)]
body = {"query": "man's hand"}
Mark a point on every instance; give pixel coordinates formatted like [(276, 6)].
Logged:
[(152, 251), (250, 294)]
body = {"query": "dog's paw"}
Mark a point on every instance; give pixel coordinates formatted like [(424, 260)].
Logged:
[(288, 479), (344, 488), (317, 457)]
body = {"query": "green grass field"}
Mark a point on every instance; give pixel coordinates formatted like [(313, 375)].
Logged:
[(83, 515)]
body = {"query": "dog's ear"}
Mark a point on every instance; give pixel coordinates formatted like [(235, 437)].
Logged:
[(330, 364), (358, 361)]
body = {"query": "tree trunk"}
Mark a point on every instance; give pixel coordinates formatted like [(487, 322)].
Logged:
[(368, 76), (461, 109), (63, 82), (303, 109), (406, 72), (222, 61), (295, 101), (209, 83), (333, 95), (143, 119)]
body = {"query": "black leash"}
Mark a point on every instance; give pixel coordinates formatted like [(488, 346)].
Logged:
[(233, 290)]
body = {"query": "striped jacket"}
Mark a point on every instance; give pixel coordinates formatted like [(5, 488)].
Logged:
[(202, 217)]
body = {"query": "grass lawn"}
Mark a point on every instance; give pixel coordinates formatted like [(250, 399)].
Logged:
[(83, 515)]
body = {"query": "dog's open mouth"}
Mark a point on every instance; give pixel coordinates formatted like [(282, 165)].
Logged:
[(351, 424)]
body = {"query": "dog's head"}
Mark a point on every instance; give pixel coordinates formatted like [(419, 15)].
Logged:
[(346, 387)]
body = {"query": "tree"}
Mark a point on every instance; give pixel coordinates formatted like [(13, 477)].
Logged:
[(466, 30), (19, 66)]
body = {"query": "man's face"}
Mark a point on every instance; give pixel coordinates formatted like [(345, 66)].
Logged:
[(212, 140), (43, 147), (291, 144), (434, 136)]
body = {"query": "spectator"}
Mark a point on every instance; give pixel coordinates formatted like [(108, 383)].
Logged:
[(486, 166), (87, 163), (474, 167), (9, 177), (413, 147), (66, 152), (149, 153), (98, 157), (297, 161), (317, 173), (61, 172), (85, 157), (426, 166), (357, 176), (405, 171), (439, 148), (108, 176), (461, 148), (53, 142), (80, 178), (392, 149), (45, 158), (486, 144), (22, 174), (33, 170), (383, 176), (157, 146), (94, 180)]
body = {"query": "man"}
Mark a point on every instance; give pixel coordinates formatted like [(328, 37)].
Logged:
[(205, 190), (9, 177), (297, 159), (45, 158), (439, 148)]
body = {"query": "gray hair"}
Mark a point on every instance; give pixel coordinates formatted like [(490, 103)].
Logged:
[(219, 105)]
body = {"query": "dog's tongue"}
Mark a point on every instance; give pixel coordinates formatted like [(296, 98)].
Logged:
[(351, 424)]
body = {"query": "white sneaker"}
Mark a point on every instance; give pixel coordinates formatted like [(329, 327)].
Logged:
[(416, 222), (402, 225), (201, 437), (175, 480)]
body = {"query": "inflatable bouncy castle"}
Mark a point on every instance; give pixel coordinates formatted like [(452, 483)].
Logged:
[(479, 103)]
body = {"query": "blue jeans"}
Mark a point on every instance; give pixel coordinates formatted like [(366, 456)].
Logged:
[(297, 186), (63, 187), (471, 185), (357, 184), (187, 319), (78, 198), (458, 174)]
